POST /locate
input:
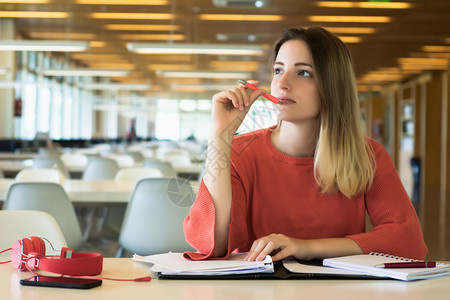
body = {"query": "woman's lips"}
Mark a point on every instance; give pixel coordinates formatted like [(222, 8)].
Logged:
[(285, 100)]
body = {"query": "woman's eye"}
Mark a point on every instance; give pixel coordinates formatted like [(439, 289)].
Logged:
[(304, 73), (276, 71)]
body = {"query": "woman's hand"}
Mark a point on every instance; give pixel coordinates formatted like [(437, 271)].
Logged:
[(231, 106), (279, 246)]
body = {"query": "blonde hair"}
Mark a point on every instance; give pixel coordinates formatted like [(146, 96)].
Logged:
[(344, 160)]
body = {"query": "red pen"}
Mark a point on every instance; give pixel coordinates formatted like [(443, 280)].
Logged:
[(419, 264), (266, 95)]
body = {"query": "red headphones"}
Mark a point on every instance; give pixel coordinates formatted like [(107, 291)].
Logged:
[(29, 254)]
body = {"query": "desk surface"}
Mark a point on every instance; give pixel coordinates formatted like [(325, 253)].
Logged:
[(92, 192), (438, 288)]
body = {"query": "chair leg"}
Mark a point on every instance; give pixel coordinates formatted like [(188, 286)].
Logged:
[(119, 252)]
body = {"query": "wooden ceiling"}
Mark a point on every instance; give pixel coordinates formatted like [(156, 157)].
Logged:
[(391, 50)]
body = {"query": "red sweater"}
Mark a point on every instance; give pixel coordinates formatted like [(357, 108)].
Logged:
[(277, 193)]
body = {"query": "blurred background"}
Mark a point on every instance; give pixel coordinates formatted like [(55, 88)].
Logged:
[(77, 73)]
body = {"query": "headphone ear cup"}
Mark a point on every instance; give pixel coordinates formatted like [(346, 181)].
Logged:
[(38, 245), (19, 253)]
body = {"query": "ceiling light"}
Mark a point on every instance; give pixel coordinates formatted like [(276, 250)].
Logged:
[(155, 67), (24, 1), (62, 35), (115, 86), (85, 72), (131, 16), (34, 14), (217, 49), (436, 48), (121, 2), (240, 17), (351, 30), (205, 74), (348, 4), (350, 39), (152, 37), (350, 19), (31, 45), (143, 27), (200, 87)]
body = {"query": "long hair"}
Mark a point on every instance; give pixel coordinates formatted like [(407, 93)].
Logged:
[(344, 160)]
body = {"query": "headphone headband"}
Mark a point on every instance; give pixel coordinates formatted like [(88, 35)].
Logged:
[(29, 253)]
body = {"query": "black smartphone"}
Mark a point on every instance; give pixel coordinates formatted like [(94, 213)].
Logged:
[(61, 282)]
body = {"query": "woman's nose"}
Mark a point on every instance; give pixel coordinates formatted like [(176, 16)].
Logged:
[(284, 83)]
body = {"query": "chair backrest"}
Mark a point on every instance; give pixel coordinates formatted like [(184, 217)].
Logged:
[(154, 218), (100, 168), (123, 160), (178, 159), (165, 167), (40, 175), (50, 162), (48, 197), (17, 224), (136, 174), (74, 160)]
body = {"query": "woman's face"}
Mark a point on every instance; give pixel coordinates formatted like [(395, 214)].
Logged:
[(294, 84)]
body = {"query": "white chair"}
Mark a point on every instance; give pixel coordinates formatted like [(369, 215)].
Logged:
[(74, 160), (100, 168), (40, 175), (17, 224), (114, 215), (48, 197), (178, 159), (50, 162), (154, 218), (135, 174), (123, 160), (165, 167)]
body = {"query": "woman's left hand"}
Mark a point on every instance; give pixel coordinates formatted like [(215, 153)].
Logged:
[(280, 244)]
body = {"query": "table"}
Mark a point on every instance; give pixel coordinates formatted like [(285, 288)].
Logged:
[(95, 192), (11, 167), (438, 288)]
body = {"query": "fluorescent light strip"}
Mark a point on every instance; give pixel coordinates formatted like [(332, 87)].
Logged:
[(62, 35), (217, 49), (24, 1), (240, 17), (348, 4), (122, 2), (131, 16), (350, 19), (41, 45), (34, 14), (350, 39), (351, 30), (200, 87), (205, 74), (152, 37), (85, 72), (436, 48), (115, 86), (142, 27)]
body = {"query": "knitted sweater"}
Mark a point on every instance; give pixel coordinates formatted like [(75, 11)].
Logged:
[(277, 193)]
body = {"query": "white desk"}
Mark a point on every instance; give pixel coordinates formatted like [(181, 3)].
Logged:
[(12, 167), (438, 288), (97, 192)]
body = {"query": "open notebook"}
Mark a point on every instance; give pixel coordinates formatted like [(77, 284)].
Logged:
[(367, 263), (174, 266)]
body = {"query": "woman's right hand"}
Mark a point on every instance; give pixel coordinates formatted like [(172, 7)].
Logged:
[(231, 106)]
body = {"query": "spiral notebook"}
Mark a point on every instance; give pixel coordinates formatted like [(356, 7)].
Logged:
[(367, 263)]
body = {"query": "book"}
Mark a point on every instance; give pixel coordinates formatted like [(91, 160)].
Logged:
[(368, 263), (175, 266)]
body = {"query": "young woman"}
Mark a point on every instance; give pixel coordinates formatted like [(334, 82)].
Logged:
[(301, 188)]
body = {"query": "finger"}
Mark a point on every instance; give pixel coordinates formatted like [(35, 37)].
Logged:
[(270, 246), (259, 246)]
